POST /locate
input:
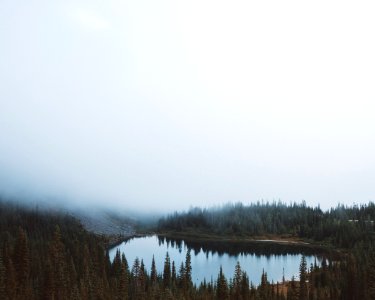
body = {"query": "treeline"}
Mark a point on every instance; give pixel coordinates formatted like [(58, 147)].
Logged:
[(350, 229), (341, 226), (330, 281), (46, 255)]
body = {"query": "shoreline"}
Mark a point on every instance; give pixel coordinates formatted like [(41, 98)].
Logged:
[(114, 241), (240, 239), (207, 238), (292, 242)]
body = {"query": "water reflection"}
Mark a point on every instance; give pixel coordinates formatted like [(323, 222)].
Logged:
[(207, 257)]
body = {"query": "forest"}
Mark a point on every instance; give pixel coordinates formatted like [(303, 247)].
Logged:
[(49, 255), (342, 226)]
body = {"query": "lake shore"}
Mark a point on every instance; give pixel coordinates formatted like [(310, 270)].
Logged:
[(115, 240), (207, 258), (276, 239), (263, 242), (284, 241)]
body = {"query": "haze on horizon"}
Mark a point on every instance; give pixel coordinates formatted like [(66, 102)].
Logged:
[(159, 105)]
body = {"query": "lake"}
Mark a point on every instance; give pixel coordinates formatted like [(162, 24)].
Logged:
[(206, 258)]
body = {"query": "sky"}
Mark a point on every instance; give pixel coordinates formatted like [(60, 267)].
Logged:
[(163, 105)]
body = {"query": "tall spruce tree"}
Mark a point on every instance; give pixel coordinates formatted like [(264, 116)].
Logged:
[(237, 281), (292, 293), (188, 280), (167, 272), (222, 291), (21, 259), (2, 276), (10, 280), (59, 265), (123, 289), (302, 278), (174, 274), (153, 275), (371, 276)]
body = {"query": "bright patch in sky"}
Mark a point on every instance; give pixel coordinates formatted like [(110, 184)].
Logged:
[(90, 21)]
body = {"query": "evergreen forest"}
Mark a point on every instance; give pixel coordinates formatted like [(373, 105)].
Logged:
[(49, 255)]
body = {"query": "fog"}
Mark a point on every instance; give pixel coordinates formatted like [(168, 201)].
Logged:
[(160, 105)]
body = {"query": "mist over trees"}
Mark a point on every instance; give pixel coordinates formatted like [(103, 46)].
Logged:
[(341, 226)]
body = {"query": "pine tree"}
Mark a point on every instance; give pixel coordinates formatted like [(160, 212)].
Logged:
[(153, 280), (181, 276), (352, 284), (87, 278), (143, 277), (10, 280), (221, 286), (58, 263), (263, 289), (2, 276), (245, 286), (167, 272), (237, 274), (292, 293), (124, 262), (277, 290), (116, 265), (123, 285), (302, 279), (153, 275), (371, 276), (237, 280), (188, 281), (49, 281), (174, 275), (21, 261), (137, 282)]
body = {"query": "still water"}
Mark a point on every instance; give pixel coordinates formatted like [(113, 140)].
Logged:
[(206, 259)]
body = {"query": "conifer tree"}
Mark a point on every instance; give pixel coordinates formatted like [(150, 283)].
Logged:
[(188, 281), (87, 280), (371, 276), (153, 280), (351, 285), (302, 279), (181, 276), (237, 280), (167, 272), (10, 280), (58, 263), (153, 274), (137, 277), (123, 285), (263, 289), (245, 286), (124, 262), (49, 281), (142, 277), (116, 265), (221, 286), (174, 275), (292, 293), (2, 276), (21, 261)]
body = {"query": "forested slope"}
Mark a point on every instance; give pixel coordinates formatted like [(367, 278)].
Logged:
[(45, 255), (340, 226)]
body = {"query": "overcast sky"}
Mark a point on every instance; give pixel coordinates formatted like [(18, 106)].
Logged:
[(165, 104)]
